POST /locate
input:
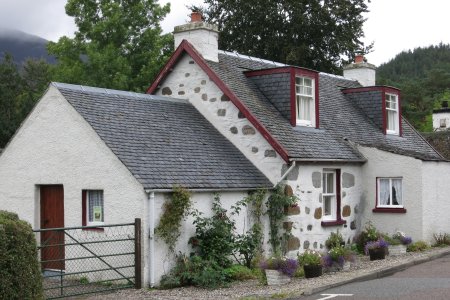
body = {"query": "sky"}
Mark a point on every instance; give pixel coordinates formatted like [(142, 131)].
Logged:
[(393, 25)]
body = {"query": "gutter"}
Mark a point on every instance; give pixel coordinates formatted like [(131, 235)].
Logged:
[(207, 190), (151, 236)]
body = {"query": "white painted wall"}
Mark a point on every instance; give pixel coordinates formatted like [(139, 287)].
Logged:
[(55, 145), (308, 228), (188, 80), (437, 117), (364, 73), (436, 198), (203, 36), (385, 164)]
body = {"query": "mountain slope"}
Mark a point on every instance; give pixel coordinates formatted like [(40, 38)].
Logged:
[(22, 46)]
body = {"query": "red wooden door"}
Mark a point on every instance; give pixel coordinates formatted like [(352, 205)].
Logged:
[(52, 216)]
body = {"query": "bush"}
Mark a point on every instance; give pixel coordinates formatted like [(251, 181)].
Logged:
[(194, 271), (369, 234), (441, 239), (20, 276), (334, 240), (417, 246), (239, 272)]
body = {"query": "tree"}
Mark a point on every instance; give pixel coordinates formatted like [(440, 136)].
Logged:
[(307, 33), (118, 44)]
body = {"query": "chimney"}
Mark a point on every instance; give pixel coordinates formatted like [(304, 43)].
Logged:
[(361, 71), (203, 36)]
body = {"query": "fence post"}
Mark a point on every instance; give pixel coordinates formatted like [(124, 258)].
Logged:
[(137, 254)]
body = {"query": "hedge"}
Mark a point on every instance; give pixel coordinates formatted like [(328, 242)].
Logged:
[(20, 276)]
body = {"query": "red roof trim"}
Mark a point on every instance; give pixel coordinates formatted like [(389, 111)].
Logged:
[(381, 88), (185, 46), (293, 99), (383, 109)]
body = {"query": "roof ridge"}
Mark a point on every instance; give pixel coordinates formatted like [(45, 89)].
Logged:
[(252, 58), (112, 92)]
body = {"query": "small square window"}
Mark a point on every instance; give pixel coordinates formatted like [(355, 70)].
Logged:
[(443, 123), (94, 206), (390, 193)]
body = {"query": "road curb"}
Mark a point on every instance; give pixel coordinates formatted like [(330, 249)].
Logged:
[(379, 273)]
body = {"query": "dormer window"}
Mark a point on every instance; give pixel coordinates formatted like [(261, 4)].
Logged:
[(305, 101), (392, 115)]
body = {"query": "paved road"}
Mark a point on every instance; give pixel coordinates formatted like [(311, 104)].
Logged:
[(428, 281)]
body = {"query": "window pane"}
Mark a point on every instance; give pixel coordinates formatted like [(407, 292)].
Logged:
[(328, 183), (307, 82), (397, 192), (95, 199), (327, 205), (304, 108), (391, 120), (384, 192)]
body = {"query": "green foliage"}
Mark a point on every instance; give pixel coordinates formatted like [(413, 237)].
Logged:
[(441, 239), (417, 246), (310, 258), (20, 87), (313, 34), (20, 276), (214, 236), (195, 271), (239, 272), (334, 240), (424, 78), (175, 211), (369, 234), (275, 210), (440, 140), (118, 44)]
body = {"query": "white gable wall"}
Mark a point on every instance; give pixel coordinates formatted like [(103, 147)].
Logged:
[(436, 198), (189, 81), (386, 164), (55, 145), (437, 117)]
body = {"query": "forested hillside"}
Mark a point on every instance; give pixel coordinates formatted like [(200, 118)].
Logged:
[(423, 75)]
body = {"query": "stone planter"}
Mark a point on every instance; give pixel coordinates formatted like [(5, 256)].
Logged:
[(396, 250), (346, 266), (275, 277), (376, 254), (312, 271)]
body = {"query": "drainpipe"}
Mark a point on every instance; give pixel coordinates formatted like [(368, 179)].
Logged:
[(286, 173), (151, 236)]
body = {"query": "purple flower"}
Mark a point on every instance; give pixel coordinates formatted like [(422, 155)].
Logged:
[(381, 243), (289, 267), (327, 261), (406, 240)]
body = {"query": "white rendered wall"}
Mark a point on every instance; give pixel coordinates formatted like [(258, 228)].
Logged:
[(385, 164), (437, 117), (188, 81), (307, 186), (365, 76), (55, 145), (436, 198)]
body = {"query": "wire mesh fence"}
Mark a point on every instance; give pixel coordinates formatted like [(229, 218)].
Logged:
[(85, 260)]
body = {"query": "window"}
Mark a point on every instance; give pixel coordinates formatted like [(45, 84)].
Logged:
[(390, 193), (443, 123), (93, 208), (304, 95), (329, 195), (392, 115)]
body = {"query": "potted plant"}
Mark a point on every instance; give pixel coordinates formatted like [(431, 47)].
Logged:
[(334, 240), (279, 270), (338, 258), (398, 243), (376, 250), (311, 261)]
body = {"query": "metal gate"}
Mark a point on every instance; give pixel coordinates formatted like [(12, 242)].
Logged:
[(90, 259)]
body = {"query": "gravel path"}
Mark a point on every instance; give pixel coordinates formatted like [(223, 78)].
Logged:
[(251, 289)]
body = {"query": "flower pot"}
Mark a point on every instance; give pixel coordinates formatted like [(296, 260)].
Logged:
[(376, 254), (275, 277), (312, 271), (346, 266), (396, 250)]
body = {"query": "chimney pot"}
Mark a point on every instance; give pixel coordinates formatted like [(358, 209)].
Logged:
[(196, 17), (359, 58)]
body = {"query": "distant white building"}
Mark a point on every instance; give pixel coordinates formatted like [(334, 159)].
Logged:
[(441, 117)]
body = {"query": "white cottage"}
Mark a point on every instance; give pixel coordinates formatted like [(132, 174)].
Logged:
[(341, 145)]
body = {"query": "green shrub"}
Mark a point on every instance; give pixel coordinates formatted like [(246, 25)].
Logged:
[(194, 271), (441, 239), (334, 240), (239, 272), (417, 246), (369, 234), (20, 276)]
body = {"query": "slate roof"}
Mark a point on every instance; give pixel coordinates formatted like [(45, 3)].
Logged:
[(163, 141), (341, 120)]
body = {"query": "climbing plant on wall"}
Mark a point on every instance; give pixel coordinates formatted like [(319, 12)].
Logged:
[(175, 210), (276, 203)]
